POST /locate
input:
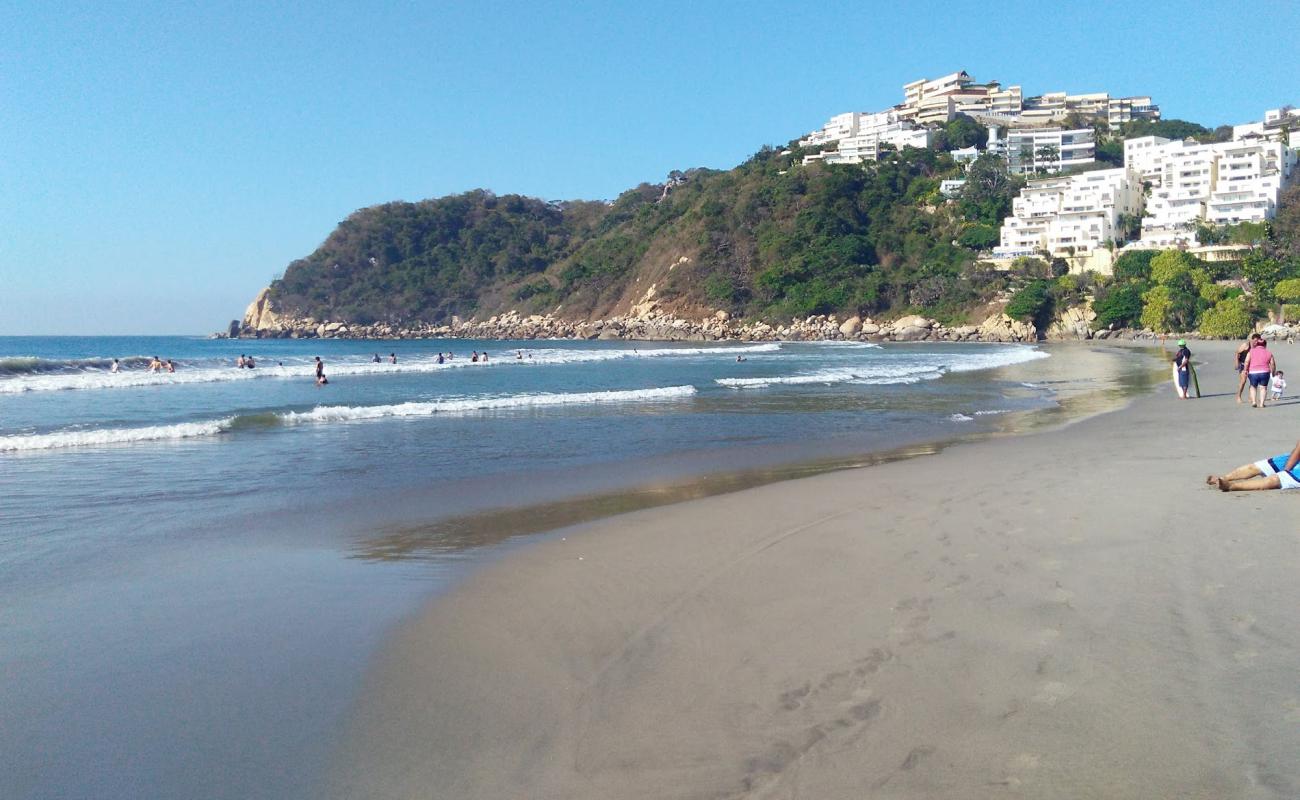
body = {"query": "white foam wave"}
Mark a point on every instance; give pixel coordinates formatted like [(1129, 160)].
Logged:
[(961, 418), (418, 409), (107, 436), (300, 369), (869, 375), (1003, 356)]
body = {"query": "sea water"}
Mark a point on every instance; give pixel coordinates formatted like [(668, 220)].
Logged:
[(196, 566)]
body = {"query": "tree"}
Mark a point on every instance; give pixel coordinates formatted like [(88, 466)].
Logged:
[(1032, 304), (1119, 306), (1287, 291), (1169, 265), (1135, 265), (989, 189), (1229, 319), (1170, 307), (979, 237), (1047, 158), (1263, 273), (963, 131)]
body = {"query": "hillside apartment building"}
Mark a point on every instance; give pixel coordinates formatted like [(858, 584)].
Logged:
[(935, 101), (1173, 185)]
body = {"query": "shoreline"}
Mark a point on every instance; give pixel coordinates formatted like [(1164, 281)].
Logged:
[(1014, 616)]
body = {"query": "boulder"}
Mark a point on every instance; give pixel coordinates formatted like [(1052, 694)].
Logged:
[(910, 333), (913, 321), (1001, 328), (851, 326), (869, 329)]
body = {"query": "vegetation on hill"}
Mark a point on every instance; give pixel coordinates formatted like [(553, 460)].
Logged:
[(772, 239), (769, 239)]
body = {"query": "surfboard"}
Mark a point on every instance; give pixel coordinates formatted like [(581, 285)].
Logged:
[(1196, 382)]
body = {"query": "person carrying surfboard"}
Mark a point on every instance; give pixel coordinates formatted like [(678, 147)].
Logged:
[(1183, 368)]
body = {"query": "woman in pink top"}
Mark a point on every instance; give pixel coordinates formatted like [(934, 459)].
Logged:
[(1259, 368)]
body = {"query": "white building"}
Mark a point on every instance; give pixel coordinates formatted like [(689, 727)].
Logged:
[(1115, 110), (1076, 214), (858, 137), (1047, 150), (1218, 183)]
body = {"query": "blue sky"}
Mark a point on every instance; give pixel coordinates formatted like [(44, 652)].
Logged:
[(159, 163)]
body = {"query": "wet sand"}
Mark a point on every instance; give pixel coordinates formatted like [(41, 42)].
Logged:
[(1064, 614)]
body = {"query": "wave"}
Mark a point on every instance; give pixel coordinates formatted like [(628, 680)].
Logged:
[(26, 375), (921, 367), (877, 375), (105, 436), (324, 414)]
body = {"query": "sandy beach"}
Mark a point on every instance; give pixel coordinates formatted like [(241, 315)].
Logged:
[(1066, 614)]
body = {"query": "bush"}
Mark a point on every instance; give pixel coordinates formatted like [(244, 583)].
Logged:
[(1229, 319), (1170, 308), (1120, 306), (1135, 265), (1032, 304), (979, 237), (1168, 265)]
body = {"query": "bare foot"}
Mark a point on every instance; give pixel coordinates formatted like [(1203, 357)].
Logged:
[(1223, 485)]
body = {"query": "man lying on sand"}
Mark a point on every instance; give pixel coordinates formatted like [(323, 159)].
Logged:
[(1279, 472)]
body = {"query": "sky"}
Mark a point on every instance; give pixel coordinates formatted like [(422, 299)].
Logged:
[(160, 163)]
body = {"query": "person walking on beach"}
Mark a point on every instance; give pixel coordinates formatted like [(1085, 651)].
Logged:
[(1243, 350), (1183, 365), (320, 372), (1259, 369), (1278, 472), (1277, 385)]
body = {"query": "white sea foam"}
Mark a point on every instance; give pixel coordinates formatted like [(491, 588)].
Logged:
[(323, 414), (417, 409), (106, 436), (98, 377), (923, 367), (961, 418), (876, 375)]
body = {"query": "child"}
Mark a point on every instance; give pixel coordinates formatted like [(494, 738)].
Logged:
[(1277, 385)]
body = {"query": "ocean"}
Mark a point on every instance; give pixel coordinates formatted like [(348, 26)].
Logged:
[(196, 567)]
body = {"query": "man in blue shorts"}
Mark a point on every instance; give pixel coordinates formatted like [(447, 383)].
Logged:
[(1279, 472)]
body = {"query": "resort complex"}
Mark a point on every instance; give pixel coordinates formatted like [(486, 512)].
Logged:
[(1076, 203)]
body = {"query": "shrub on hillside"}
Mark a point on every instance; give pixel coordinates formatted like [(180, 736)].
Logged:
[(1134, 265), (1032, 304)]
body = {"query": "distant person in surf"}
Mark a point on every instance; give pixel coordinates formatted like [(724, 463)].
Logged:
[(375, 360), (519, 355), (171, 367), (1278, 472), (116, 366), (242, 362), (392, 358), (485, 357), (474, 357), (320, 372), (250, 363), (440, 358), (155, 365)]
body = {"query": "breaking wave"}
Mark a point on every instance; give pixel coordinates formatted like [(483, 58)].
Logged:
[(325, 414)]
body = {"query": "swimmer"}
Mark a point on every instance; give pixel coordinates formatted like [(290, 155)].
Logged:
[(116, 366), (171, 367), (320, 372), (519, 355), (440, 358), (474, 357), (250, 363), (155, 365), (375, 360), (392, 358), (484, 356), (242, 362)]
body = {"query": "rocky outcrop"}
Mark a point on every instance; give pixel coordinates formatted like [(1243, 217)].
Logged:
[(260, 316), (1074, 322), (1001, 328)]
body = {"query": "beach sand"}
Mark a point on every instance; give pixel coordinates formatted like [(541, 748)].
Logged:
[(1067, 614)]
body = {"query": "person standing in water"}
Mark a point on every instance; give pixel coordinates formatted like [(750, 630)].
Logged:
[(320, 372), (116, 366), (392, 358), (171, 366)]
